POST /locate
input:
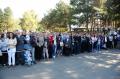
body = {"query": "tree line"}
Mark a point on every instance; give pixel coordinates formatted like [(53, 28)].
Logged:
[(93, 13), (29, 21), (98, 14)]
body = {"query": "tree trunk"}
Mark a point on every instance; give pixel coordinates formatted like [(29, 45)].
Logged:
[(91, 23)]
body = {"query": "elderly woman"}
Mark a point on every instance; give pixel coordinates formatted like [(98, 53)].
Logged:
[(11, 49)]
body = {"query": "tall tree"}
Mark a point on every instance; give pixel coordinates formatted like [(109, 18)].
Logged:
[(1, 19), (7, 22), (113, 7), (29, 21), (8, 19), (58, 17), (83, 11)]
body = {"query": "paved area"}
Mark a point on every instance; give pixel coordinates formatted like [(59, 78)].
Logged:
[(102, 65)]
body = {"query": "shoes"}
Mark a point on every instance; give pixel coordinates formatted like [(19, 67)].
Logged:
[(53, 57), (9, 66), (34, 62)]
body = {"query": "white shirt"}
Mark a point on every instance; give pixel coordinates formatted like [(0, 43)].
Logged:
[(110, 38), (94, 39), (12, 43), (27, 37), (105, 39), (55, 42)]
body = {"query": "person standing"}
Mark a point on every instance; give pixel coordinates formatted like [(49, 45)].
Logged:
[(54, 47), (115, 40), (104, 42), (110, 41), (79, 42), (51, 44), (67, 49), (4, 46), (45, 47), (59, 45), (83, 43), (33, 42), (40, 42), (118, 43), (94, 40), (11, 49), (76, 46), (19, 48), (98, 43)]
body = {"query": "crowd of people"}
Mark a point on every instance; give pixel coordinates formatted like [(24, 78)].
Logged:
[(24, 47)]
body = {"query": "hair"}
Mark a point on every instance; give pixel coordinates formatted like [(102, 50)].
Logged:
[(12, 34), (2, 35)]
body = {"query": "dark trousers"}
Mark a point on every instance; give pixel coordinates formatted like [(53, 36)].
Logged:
[(4, 59), (83, 47), (37, 56), (0, 60), (50, 50), (67, 51), (76, 48), (115, 44), (38, 53), (110, 45), (19, 58)]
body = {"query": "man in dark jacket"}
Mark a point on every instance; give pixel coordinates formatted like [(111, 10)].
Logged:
[(75, 46), (33, 42), (20, 47), (67, 45)]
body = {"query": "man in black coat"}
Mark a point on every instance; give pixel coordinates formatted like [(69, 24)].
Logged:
[(76, 46), (20, 48)]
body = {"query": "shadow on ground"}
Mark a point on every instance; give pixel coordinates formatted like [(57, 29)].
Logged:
[(102, 65)]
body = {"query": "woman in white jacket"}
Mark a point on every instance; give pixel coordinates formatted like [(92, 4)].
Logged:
[(11, 49)]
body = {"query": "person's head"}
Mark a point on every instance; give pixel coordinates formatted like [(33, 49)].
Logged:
[(19, 32), (23, 32), (4, 36), (11, 35)]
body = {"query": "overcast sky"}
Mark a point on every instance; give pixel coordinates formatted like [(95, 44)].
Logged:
[(18, 7)]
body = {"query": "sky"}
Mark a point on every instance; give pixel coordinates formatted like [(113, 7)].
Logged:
[(18, 7)]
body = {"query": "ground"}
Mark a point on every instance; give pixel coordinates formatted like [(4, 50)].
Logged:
[(97, 65)]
